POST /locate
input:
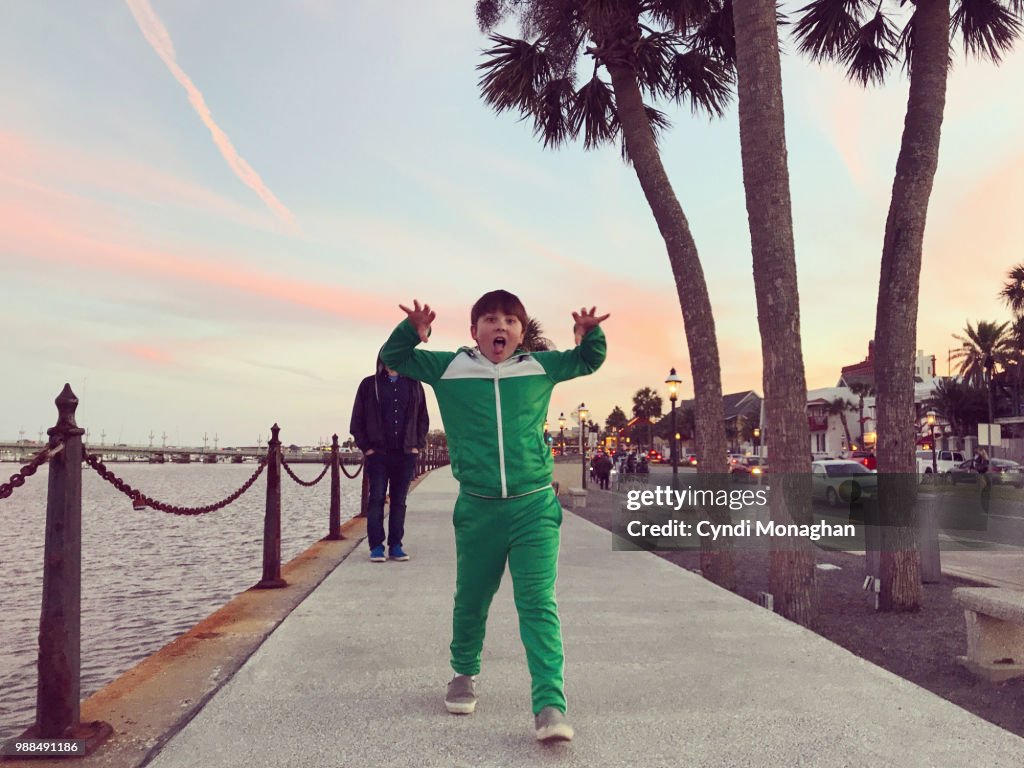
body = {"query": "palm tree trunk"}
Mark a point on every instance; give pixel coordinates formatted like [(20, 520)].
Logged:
[(691, 289), (770, 219), (896, 317), (846, 429)]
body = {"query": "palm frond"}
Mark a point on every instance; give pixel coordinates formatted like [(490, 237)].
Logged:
[(1013, 290), (514, 72), (651, 61), (707, 82), (681, 16), (716, 37), (489, 13), (871, 51), (593, 113), (988, 28), (826, 27), (551, 111)]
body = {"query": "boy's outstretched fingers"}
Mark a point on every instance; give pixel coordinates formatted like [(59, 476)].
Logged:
[(420, 317)]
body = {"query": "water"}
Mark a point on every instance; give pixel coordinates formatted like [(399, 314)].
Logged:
[(147, 576)]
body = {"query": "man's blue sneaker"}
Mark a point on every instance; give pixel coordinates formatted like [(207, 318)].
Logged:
[(377, 554), (397, 553)]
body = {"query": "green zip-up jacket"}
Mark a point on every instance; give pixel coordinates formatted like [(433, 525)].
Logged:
[(494, 414)]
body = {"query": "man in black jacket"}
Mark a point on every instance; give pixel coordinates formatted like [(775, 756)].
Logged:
[(389, 424)]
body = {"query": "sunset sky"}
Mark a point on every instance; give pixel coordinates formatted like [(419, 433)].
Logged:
[(209, 213)]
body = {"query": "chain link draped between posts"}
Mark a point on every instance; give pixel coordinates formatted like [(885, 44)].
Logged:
[(18, 478), (138, 498), (297, 479), (354, 475)]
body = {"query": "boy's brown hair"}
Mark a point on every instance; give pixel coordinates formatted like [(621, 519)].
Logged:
[(499, 301)]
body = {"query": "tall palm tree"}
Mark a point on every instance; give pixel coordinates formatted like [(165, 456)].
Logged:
[(1013, 290), (534, 339), (865, 37), (643, 49), (952, 399), (983, 347), (861, 389), (770, 221)]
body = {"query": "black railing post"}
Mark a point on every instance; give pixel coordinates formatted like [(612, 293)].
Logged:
[(60, 632), (334, 523), (58, 692), (272, 519)]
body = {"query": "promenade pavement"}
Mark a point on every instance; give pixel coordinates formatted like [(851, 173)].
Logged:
[(663, 669)]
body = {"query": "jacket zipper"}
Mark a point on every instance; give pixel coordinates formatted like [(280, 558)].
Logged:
[(501, 437)]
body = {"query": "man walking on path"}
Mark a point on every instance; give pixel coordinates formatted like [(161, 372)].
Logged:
[(389, 424)]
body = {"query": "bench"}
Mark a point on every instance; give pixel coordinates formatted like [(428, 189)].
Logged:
[(578, 497), (995, 631)]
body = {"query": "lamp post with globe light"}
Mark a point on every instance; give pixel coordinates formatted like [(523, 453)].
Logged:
[(561, 432), (673, 381), (583, 413), (931, 430)]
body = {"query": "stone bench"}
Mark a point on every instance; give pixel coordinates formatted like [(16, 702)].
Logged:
[(995, 631), (578, 497)]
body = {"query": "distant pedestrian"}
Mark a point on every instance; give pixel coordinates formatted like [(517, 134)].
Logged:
[(389, 424), (984, 478), (603, 469)]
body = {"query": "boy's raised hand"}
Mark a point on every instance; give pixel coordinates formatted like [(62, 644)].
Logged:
[(586, 321), (421, 318)]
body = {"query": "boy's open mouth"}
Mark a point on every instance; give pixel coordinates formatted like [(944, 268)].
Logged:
[(498, 343)]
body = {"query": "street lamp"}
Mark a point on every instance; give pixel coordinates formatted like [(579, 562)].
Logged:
[(583, 413), (931, 429), (673, 381), (757, 441), (561, 431)]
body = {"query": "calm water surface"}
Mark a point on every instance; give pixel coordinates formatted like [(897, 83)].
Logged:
[(147, 576)]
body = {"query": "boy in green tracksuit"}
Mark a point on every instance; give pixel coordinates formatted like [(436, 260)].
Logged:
[(494, 401)]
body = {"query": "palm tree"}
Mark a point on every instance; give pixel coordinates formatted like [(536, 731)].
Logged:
[(770, 221), (646, 406), (983, 347), (534, 339), (1013, 290), (865, 38), (840, 406), (643, 48), (861, 389)]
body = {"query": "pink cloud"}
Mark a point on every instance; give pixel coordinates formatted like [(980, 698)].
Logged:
[(145, 352), (156, 34)]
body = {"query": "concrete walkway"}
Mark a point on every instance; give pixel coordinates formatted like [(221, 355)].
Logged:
[(663, 669)]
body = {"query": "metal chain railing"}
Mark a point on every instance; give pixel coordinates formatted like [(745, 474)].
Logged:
[(18, 478), (297, 479), (140, 499), (359, 469)]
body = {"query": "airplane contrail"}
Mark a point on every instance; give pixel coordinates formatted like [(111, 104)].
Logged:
[(157, 36)]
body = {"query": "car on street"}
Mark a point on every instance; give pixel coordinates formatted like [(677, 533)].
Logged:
[(654, 456), (748, 469), (842, 481), (1003, 472), (867, 458), (691, 459)]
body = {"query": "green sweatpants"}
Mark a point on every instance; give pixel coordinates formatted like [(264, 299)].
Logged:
[(524, 531)]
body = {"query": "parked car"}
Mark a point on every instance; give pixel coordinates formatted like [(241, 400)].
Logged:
[(749, 469), (842, 481), (654, 456), (867, 458), (691, 459), (1003, 472)]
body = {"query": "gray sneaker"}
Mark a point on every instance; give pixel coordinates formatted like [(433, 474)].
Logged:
[(551, 725), (461, 696)]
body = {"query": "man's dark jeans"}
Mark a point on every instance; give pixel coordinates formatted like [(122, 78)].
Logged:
[(388, 473)]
